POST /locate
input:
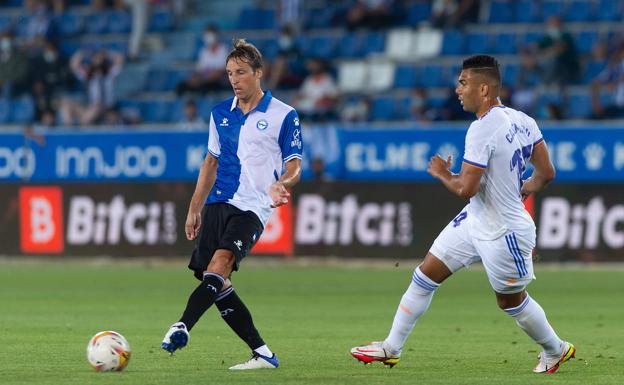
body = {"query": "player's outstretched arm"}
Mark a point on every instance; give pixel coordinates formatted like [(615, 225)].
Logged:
[(205, 180), (465, 184), (278, 190), (543, 173)]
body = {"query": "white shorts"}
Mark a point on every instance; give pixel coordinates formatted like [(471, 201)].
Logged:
[(507, 260)]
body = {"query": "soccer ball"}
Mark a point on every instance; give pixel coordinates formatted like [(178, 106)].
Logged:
[(108, 351)]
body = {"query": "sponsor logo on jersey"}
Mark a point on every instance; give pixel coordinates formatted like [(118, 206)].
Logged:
[(296, 142)]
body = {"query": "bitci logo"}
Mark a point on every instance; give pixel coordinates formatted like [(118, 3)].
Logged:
[(41, 220)]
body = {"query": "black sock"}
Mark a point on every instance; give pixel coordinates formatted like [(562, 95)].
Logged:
[(237, 316), (201, 299)]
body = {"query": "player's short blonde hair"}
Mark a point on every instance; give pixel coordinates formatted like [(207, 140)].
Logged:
[(246, 52)]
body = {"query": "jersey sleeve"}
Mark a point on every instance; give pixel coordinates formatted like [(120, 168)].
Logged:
[(478, 146), (290, 139), (214, 147), (537, 134)]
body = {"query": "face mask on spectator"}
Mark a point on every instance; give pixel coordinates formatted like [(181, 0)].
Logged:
[(5, 44), (49, 56), (553, 32), (210, 38), (285, 42)]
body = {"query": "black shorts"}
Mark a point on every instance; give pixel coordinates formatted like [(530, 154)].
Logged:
[(224, 227)]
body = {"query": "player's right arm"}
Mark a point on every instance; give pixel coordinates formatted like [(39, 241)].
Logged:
[(205, 181), (544, 171)]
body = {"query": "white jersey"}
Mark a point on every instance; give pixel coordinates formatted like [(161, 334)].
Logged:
[(500, 142)]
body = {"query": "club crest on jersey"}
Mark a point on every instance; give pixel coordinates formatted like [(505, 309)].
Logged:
[(262, 124), (296, 142), (224, 122)]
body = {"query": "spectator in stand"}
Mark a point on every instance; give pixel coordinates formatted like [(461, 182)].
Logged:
[(49, 75), (611, 78), (98, 76), (13, 68), (557, 56), (288, 70), (318, 94), (40, 27), (209, 72), (420, 109), (373, 14), (355, 109), (454, 13), (191, 121)]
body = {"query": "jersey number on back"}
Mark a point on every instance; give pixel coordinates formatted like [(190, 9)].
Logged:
[(519, 159)]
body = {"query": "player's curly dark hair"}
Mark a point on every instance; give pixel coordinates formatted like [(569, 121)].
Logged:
[(246, 52), (484, 65)]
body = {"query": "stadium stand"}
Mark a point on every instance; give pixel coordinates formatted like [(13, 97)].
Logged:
[(380, 63)]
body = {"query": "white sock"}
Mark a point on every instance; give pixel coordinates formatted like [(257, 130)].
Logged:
[(264, 350), (413, 304), (531, 318)]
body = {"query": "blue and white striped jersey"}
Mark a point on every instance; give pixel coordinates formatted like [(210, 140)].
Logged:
[(501, 142), (252, 149)]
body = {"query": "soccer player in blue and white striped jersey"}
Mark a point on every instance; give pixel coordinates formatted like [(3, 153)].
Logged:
[(254, 155)]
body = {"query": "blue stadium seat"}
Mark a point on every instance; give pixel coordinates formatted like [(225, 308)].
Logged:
[(431, 76), (97, 23), (609, 10), (375, 43), (478, 43), (12, 3), (69, 24), (352, 45), (119, 22), (23, 110), (5, 22), (323, 47), (5, 111), (579, 106), (405, 77), (553, 8), (256, 18), (528, 11), (505, 43), (316, 18), (157, 111), (383, 108), (453, 43), (161, 21), (501, 12), (68, 47), (592, 69), (158, 80), (418, 12), (530, 38), (585, 41), (510, 74), (580, 11)]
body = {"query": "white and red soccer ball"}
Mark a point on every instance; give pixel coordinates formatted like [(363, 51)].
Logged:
[(108, 351)]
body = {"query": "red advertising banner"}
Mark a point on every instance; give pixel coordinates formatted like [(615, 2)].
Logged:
[(277, 237), (41, 220)]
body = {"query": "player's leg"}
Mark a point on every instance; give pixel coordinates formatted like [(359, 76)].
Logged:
[(450, 252), (239, 319), (509, 265), (200, 299)]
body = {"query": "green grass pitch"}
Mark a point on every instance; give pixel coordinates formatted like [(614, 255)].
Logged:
[(310, 316)]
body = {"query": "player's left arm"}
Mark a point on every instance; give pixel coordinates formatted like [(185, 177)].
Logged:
[(278, 190), (291, 144), (465, 184)]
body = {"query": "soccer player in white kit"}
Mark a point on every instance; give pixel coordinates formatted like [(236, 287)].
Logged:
[(494, 227)]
